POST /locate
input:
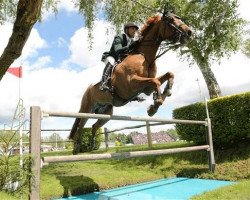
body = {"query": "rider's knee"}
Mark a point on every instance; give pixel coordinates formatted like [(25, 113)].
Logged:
[(110, 60)]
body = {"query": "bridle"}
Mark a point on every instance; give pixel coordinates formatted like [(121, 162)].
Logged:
[(172, 43), (178, 31)]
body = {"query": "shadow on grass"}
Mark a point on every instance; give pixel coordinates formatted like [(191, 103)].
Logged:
[(76, 185), (192, 172)]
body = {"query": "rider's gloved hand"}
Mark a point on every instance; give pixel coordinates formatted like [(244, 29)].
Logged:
[(133, 45)]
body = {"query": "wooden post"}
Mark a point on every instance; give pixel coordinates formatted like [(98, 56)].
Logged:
[(211, 148), (106, 138), (35, 145), (149, 135)]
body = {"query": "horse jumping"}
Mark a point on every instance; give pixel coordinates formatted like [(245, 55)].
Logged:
[(136, 74)]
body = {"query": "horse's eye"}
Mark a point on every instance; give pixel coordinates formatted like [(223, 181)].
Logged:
[(169, 19)]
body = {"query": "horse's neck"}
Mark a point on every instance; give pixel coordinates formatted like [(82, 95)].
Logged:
[(150, 45)]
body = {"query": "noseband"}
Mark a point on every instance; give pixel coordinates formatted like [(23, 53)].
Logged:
[(178, 31)]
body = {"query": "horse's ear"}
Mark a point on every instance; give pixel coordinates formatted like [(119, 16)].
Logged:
[(168, 9), (165, 11)]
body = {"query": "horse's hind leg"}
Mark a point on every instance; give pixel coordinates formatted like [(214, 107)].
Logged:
[(77, 129), (108, 110), (152, 109)]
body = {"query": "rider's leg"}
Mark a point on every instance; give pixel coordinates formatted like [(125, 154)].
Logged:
[(106, 72), (105, 75)]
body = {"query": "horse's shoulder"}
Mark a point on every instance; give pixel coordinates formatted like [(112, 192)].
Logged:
[(137, 58)]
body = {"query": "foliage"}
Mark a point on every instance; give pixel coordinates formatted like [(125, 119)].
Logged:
[(69, 145), (229, 117), (86, 136), (122, 138), (215, 23), (10, 171), (112, 137), (118, 144), (129, 139), (217, 29), (8, 9), (55, 139), (246, 48)]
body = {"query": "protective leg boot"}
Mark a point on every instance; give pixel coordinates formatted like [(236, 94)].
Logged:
[(105, 77)]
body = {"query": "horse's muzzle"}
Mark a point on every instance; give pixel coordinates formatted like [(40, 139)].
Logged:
[(185, 37)]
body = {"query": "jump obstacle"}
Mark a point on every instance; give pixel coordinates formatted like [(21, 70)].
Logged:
[(36, 115)]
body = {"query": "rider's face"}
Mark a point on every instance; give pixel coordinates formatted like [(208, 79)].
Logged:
[(131, 31)]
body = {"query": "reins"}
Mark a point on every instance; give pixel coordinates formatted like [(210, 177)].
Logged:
[(167, 45)]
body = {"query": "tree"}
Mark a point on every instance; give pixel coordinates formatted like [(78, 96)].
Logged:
[(27, 14), (55, 139), (218, 33), (215, 23), (246, 48)]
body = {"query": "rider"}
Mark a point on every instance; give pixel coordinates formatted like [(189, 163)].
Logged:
[(121, 45)]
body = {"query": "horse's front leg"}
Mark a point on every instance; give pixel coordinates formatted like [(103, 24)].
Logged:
[(169, 76), (139, 83), (167, 91)]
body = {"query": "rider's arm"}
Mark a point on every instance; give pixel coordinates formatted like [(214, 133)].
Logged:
[(118, 49)]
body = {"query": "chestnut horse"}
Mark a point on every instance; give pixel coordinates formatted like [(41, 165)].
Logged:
[(135, 74)]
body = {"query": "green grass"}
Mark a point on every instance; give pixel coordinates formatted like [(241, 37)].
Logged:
[(6, 196), (63, 179), (237, 191)]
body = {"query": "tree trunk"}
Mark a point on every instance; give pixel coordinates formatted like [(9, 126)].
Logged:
[(27, 15), (212, 84)]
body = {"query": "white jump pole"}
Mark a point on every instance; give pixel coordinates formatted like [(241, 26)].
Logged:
[(133, 154)]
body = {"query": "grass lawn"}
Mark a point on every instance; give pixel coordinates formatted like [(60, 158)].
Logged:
[(63, 179), (237, 191)]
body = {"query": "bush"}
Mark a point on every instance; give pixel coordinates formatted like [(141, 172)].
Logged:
[(230, 118), (86, 136), (118, 144)]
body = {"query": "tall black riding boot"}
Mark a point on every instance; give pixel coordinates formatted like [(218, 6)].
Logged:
[(105, 77)]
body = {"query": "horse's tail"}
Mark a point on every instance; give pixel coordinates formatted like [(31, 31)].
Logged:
[(74, 128), (86, 107)]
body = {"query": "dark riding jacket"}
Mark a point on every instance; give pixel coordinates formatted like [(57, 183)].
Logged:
[(119, 46)]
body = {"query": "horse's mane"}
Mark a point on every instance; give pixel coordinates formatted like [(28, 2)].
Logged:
[(148, 24)]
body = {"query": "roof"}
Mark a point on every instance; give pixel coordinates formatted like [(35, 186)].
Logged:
[(160, 137)]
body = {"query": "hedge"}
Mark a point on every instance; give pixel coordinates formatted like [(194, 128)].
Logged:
[(230, 118), (85, 145)]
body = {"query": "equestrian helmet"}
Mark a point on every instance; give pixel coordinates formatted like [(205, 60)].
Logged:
[(130, 24)]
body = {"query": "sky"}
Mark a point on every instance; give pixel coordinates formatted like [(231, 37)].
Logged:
[(58, 66)]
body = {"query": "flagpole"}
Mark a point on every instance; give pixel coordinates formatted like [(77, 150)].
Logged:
[(21, 128), (20, 119), (20, 111)]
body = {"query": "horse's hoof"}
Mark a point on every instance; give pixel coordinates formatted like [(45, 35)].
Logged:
[(151, 110)]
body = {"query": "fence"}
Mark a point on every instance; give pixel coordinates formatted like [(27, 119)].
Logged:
[(35, 140)]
